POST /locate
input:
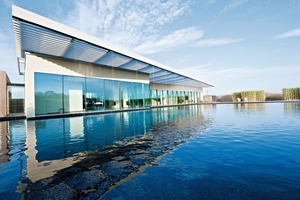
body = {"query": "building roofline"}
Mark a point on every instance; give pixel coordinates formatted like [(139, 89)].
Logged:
[(33, 18)]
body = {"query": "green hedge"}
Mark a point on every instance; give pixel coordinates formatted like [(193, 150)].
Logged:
[(260, 95), (235, 96), (249, 96), (291, 93)]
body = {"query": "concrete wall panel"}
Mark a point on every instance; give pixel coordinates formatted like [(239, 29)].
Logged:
[(157, 86), (3, 93)]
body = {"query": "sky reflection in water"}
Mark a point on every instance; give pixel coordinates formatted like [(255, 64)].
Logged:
[(46, 146), (248, 151)]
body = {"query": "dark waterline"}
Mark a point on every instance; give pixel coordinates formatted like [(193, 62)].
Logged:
[(248, 152)]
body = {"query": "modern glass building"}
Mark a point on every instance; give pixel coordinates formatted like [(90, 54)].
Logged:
[(67, 71)]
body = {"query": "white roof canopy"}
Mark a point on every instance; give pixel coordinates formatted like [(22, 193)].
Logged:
[(41, 35)]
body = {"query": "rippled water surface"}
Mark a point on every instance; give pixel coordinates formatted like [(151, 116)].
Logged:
[(250, 152), (191, 152)]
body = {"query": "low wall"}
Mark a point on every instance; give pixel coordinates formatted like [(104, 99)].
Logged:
[(209, 98), (3, 93)]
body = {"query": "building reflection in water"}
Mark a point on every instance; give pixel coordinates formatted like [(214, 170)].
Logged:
[(12, 141), (12, 157), (292, 109), (3, 142), (250, 108), (55, 144)]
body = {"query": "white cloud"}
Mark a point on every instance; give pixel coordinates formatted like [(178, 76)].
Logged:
[(233, 4), (138, 25), (216, 42), (210, 2), (127, 23), (292, 33), (174, 39), (1, 35)]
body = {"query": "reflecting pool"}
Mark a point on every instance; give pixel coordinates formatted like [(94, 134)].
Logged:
[(234, 151), (251, 151), (35, 151)]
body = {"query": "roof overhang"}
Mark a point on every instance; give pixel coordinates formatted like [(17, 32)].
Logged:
[(40, 35)]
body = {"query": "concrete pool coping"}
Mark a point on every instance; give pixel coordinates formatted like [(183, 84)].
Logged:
[(252, 102), (12, 117)]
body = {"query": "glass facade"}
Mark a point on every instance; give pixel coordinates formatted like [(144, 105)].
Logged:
[(186, 95), (126, 95), (15, 99), (74, 94), (159, 97), (56, 94), (165, 98), (147, 97), (138, 95), (94, 94), (180, 97), (112, 94), (154, 98), (172, 97), (48, 93)]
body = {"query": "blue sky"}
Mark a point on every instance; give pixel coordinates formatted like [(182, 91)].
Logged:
[(235, 45)]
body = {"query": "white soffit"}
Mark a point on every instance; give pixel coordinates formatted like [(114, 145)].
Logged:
[(37, 34)]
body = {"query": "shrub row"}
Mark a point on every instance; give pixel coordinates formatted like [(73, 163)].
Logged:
[(291, 93), (249, 96)]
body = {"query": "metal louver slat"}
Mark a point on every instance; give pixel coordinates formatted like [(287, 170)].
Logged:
[(150, 69), (134, 65), (39, 35), (113, 59), (41, 40), (84, 51)]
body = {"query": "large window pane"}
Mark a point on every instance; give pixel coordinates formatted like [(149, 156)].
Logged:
[(186, 97), (196, 97), (175, 97), (165, 97), (126, 95), (147, 98), (199, 97), (48, 93), (74, 92), (192, 95), (180, 97), (138, 95), (159, 97), (15, 99), (169, 97), (112, 94), (153, 98), (94, 94), (172, 97)]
